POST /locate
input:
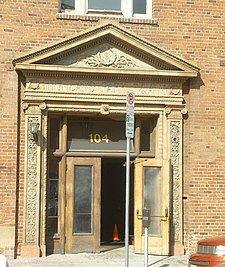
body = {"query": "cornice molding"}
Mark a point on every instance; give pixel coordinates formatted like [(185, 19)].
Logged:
[(40, 70), (117, 36)]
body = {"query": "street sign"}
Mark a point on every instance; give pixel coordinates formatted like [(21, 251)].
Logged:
[(130, 102), (130, 115), (130, 126)]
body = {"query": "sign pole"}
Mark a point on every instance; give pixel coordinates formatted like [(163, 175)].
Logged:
[(145, 223), (127, 203), (129, 135), (146, 248)]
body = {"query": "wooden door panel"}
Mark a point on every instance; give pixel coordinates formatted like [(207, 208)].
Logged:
[(151, 190), (83, 205)]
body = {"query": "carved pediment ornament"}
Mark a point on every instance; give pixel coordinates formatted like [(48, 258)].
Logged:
[(109, 58)]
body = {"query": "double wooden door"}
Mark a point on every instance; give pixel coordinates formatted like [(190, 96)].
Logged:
[(80, 219)]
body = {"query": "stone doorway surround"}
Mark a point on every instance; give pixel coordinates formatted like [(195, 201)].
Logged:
[(91, 73)]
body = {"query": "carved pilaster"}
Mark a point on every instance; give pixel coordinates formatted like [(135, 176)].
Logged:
[(175, 149), (175, 143), (32, 184), (32, 175)]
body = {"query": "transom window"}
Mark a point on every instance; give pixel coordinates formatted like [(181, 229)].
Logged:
[(125, 8)]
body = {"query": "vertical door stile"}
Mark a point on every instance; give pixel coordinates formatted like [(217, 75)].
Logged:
[(62, 184), (69, 206)]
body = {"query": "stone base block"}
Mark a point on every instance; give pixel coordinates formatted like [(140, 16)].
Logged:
[(177, 249), (29, 251)]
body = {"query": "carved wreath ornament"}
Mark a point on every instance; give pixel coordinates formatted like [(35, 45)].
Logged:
[(109, 58)]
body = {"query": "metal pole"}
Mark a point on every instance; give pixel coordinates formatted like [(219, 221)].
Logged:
[(127, 203), (146, 247)]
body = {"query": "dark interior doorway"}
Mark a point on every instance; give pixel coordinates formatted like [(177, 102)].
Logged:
[(113, 183)]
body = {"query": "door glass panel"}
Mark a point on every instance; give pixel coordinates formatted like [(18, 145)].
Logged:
[(152, 197), (139, 6), (53, 196), (82, 199), (104, 5), (145, 135), (54, 133)]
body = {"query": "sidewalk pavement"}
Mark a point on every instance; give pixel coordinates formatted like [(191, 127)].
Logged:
[(114, 257)]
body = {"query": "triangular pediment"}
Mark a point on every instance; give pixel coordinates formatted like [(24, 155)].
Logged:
[(106, 49)]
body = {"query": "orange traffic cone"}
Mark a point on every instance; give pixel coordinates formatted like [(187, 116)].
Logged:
[(115, 233)]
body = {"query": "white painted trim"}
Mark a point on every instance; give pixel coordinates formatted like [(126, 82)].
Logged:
[(81, 8)]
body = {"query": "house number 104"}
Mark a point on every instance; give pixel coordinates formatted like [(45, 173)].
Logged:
[(97, 138)]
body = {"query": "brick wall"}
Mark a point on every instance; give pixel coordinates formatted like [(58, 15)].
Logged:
[(193, 30)]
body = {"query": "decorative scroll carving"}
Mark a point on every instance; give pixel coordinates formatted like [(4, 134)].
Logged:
[(109, 58), (32, 110), (34, 85), (25, 106), (175, 91), (175, 113), (31, 186), (184, 111), (175, 143), (42, 106)]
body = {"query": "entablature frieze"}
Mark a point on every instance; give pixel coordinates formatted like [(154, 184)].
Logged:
[(146, 92), (116, 87)]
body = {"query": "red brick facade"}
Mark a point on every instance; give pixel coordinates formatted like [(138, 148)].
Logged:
[(192, 30)]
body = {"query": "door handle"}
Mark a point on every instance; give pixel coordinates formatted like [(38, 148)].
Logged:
[(163, 218), (139, 215), (166, 216)]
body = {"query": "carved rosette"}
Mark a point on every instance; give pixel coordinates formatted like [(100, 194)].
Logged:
[(32, 185), (109, 58)]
